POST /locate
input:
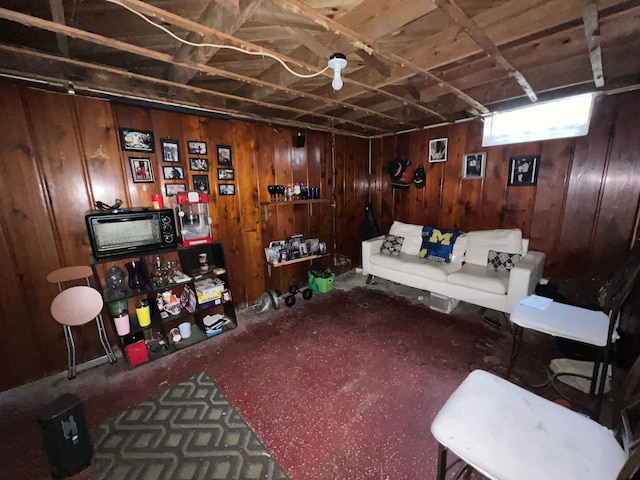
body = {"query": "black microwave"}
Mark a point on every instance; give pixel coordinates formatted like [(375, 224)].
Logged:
[(128, 231)]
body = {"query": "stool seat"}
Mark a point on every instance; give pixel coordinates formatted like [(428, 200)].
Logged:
[(76, 306), (67, 274), (565, 321), (507, 433)]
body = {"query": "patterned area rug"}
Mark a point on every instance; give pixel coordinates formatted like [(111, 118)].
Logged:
[(191, 431)]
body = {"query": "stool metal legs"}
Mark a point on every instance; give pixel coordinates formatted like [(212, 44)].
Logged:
[(71, 346), (515, 348), (103, 339), (71, 352)]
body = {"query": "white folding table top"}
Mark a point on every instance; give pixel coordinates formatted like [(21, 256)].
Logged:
[(566, 321), (509, 433)]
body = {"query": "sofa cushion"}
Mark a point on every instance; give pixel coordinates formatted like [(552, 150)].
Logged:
[(415, 265), (480, 278), (437, 243), (502, 261), (412, 236), (391, 245), (479, 243)]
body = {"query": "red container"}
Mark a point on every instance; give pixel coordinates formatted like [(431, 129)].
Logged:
[(137, 352), (158, 202)]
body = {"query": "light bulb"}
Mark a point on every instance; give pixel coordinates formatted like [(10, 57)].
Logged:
[(337, 82), (337, 61)]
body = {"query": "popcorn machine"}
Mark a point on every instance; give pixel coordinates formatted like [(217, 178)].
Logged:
[(192, 211)]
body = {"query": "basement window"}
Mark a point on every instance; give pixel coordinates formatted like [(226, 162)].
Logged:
[(567, 117)]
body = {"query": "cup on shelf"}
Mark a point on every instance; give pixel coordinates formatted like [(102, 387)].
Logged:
[(173, 308), (185, 329), (143, 313), (174, 333), (122, 324)]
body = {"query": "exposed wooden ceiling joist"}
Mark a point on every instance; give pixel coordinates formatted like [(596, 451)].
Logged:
[(592, 34), (482, 39)]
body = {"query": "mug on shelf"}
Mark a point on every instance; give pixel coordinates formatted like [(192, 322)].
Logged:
[(185, 329), (173, 308), (122, 324)]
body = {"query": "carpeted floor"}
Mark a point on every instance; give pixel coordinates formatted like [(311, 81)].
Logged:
[(343, 386)]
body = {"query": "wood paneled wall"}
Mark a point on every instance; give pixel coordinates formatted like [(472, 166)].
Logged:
[(60, 153), (581, 213)]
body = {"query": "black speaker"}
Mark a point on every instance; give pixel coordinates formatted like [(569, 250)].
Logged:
[(298, 141), (66, 437)]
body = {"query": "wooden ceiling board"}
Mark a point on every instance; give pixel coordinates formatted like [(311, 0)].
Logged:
[(411, 63)]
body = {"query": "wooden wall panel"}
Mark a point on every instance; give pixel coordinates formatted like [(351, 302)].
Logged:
[(471, 189), (583, 195), (27, 243)]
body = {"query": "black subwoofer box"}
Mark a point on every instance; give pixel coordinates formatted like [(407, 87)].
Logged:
[(66, 436)]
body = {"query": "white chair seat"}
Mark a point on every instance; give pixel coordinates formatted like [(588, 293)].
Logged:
[(508, 433), (565, 321)]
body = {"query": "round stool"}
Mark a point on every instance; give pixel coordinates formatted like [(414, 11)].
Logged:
[(66, 274), (77, 306)]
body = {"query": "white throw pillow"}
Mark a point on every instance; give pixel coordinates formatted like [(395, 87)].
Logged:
[(412, 236), (479, 242)]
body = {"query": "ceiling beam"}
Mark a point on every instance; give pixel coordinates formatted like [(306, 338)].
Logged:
[(181, 22), (360, 42), (214, 17), (36, 22), (57, 14), (592, 34), (23, 57), (471, 28)]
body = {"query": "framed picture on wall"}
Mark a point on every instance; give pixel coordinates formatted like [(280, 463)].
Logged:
[(224, 155), (136, 140), (170, 150), (438, 150), (523, 170), (173, 173), (172, 188), (199, 164), (201, 183), (196, 147), (226, 174), (473, 165), (226, 189), (141, 170)]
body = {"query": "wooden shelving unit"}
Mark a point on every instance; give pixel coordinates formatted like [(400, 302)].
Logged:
[(295, 260)]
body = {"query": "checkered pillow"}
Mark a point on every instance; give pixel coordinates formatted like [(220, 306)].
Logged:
[(502, 261), (391, 245)]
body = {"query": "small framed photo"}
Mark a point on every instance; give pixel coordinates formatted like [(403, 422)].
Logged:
[(226, 189), (272, 254), (196, 148), (199, 164), (172, 188), (473, 165), (224, 155), (523, 170), (277, 243), (303, 250), (136, 140), (170, 150), (438, 150), (226, 174), (173, 173), (201, 183), (141, 170), (313, 245), (322, 248)]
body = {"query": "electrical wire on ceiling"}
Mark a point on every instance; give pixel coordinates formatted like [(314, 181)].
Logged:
[(229, 47)]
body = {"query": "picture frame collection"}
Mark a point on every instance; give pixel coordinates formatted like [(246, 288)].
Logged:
[(142, 141)]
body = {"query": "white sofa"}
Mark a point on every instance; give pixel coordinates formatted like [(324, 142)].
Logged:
[(467, 277)]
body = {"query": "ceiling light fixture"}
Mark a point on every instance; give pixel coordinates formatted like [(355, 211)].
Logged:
[(337, 61)]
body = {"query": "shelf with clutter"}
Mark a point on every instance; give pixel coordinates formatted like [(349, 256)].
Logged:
[(294, 249), (292, 194)]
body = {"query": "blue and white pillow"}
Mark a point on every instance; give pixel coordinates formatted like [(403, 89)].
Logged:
[(391, 245), (437, 243)]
